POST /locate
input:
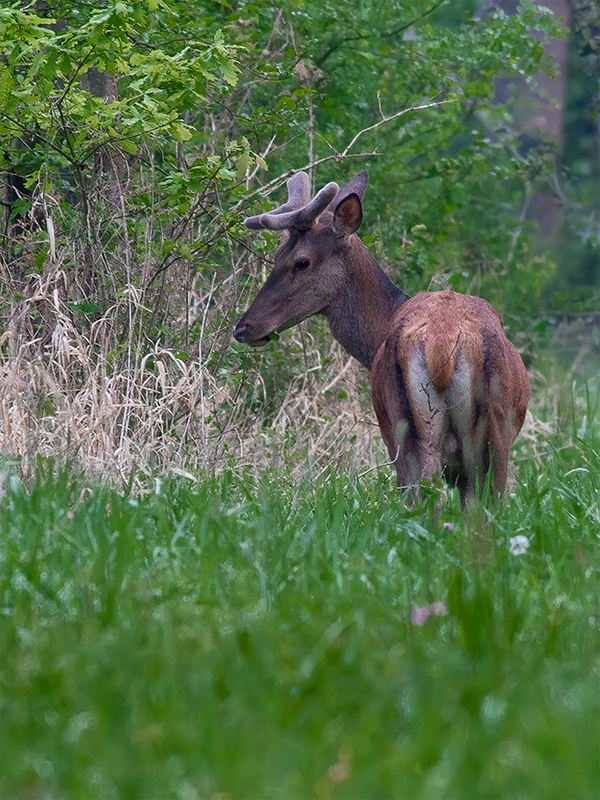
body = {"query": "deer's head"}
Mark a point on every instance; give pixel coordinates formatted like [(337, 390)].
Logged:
[(311, 266)]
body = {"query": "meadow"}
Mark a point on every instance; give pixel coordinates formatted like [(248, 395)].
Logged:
[(210, 588), (258, 636)]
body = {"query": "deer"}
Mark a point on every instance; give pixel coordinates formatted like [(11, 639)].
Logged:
[(449, 390)]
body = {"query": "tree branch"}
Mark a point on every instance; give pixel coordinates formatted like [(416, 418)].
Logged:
[(274, 184), (384, 35)]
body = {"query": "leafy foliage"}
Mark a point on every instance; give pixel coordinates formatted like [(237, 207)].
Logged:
[(148, 97)]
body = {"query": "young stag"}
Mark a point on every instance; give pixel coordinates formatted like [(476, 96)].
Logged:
[(449, 390)]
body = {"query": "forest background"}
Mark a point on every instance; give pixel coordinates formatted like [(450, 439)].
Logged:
[(208, 589), (135, 136)]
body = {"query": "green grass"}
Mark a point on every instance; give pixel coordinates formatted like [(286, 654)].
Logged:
[(253, 639)]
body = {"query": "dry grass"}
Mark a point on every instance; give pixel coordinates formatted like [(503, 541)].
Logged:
[(120, 405), (151, 384), (62, 395)]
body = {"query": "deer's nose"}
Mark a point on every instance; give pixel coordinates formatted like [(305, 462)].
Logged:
[(240, 330)]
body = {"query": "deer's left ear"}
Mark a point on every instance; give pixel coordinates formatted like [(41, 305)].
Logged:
[(348, 215), (357, 185)]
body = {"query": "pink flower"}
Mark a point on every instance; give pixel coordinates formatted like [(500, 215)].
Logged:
[(448, 526), (420, 615)]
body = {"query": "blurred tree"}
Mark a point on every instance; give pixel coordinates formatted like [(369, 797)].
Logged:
[(142, 129), (579, 186), (562, 118)]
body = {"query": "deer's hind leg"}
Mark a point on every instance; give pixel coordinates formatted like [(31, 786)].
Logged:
[(402, 447), (500, 440), (484, 458), (409, 456), (467, 440)]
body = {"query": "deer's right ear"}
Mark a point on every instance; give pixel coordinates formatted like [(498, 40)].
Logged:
[(348, 216)]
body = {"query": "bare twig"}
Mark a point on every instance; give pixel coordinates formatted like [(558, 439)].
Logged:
[(382, 466), (275, 183)]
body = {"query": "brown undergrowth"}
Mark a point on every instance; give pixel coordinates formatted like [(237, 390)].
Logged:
[(64, 395), (149, 381)]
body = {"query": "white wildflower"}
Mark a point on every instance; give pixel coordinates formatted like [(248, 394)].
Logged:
[(519, 545)]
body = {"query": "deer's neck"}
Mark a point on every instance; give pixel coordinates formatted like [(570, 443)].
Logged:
[(360, 315)]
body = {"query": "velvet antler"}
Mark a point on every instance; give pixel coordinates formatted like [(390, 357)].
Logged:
[(300, 212)]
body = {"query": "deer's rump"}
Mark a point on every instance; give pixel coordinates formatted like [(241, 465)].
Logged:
[(449, 390)]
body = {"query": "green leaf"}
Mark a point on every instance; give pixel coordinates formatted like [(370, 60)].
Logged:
[(182, 132), (241, 165), (129, 147), (87, 307)]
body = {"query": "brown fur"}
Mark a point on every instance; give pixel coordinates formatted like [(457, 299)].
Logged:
[(451, 331), (449, 389)]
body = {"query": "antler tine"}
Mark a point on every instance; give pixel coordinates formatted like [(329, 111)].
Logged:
[(308, 214), (299, 218), (298, 187)]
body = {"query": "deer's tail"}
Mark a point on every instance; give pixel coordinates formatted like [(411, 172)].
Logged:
[(441, 350)]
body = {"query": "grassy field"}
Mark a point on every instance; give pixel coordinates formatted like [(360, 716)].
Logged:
[(244, 638)]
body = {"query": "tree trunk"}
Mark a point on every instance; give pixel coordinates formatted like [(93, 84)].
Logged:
[(547, 122)]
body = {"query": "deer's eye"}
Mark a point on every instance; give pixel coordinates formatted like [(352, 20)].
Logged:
[(302, 263)]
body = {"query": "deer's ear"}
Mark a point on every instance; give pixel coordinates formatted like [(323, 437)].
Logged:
[(348, 215), (357, 185)]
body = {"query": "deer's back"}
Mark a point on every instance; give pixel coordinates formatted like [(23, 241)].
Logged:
[(448, 352)]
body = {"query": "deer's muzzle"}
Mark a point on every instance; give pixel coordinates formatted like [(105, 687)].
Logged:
[(243, 333)]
